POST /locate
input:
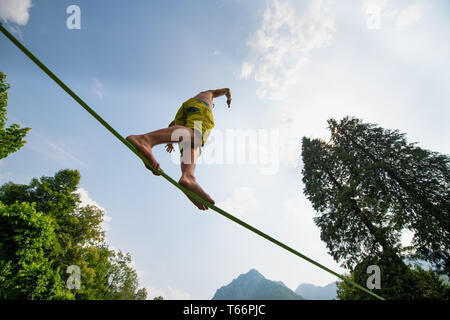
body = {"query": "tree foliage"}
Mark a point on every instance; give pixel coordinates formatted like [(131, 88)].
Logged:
[(353, 225), (396, 283), (414, 183), (123, 280), (369, 185), (11, 138), (26, 270), (76, 238)]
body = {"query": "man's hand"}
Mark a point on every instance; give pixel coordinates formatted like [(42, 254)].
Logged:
[(228, 94), (169, 147)]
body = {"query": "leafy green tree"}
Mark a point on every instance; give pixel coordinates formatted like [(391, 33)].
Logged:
[(368, 185), (79, 239), (123, 279), (354, 225), (26, 271), (11, 138), (415, 283), (413, 182)]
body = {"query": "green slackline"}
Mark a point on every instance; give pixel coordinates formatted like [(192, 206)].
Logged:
[(187, 191)]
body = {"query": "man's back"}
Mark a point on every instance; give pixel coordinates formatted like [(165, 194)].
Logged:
[(206, 96), (209, 95)]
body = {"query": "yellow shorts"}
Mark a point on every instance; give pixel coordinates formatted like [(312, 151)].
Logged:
[(196, 114)]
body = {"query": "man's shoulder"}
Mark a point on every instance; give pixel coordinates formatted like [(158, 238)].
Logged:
[(205, 94)]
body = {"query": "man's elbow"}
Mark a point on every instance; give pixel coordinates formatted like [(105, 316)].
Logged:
[(220, 92)]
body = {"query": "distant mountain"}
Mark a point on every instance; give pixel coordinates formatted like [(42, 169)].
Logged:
[(253, 286), (312, 292)]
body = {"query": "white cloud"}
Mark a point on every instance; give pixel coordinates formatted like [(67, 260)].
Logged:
[(283, 44), (217, 52), (246, 70), (169, 294), (409, 16), (370, 6), (242, 200), (16, 11), (153, 292), (87, 200), (373, 10), (177, 294), (376, 10), (98, 88)]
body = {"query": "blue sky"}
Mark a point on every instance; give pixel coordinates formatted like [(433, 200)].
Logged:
[(291, 65)]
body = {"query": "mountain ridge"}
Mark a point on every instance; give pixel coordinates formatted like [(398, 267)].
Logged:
[(254, 286), (313, 292)]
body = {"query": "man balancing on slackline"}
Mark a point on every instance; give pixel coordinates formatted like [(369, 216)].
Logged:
[(191, 128)]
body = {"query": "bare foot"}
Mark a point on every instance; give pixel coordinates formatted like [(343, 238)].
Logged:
[(192, 185), (143, 145)]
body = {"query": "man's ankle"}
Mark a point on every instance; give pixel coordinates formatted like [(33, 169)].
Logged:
[(187, 177)]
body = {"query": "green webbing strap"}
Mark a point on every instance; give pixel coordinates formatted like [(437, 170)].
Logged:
[(190, 193)]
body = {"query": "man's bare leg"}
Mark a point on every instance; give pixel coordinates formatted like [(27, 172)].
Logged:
[(187, 179), (145, 142)]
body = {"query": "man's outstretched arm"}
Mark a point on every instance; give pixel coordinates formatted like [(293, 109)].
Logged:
[(220, 92)]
